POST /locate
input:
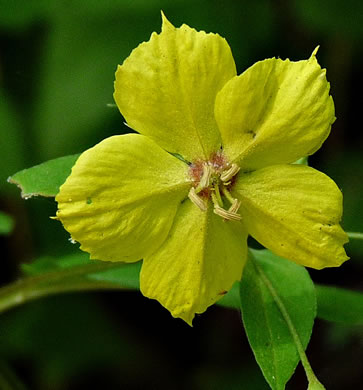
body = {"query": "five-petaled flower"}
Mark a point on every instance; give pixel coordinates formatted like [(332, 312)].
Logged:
[(213, 163)]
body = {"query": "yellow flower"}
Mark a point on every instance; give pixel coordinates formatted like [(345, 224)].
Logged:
[(213, 163)]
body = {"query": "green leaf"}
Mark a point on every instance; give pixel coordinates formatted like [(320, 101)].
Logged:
[(340, 305), (44, 179), (126, 275), (6, 223), (231, 299), (48, 263), (334, 304), (269, 284), (68, 274)]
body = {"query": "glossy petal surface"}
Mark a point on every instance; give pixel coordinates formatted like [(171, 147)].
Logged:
[(275, 112), (167, 87), (121, 198), (198, 263), (294, 210)]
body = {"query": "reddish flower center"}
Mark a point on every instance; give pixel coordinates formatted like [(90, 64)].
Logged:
[(213, 180)]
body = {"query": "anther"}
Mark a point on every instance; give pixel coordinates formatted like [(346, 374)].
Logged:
[(226, 214), (198, 201), (235, 206), (206, 176), (226, 176)]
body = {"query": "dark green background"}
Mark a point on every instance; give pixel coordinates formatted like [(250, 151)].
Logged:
[(57, 64)]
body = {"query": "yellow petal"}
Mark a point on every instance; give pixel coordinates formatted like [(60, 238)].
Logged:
[(198, 263), (166, 89), (121, 198), (275, 112), (294, 210)]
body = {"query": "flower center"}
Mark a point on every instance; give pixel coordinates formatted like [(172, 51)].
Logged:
[(213, 180)]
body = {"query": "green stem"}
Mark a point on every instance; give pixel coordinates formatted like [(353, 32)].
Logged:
[(314, 383), (355, 235), (67, 280)]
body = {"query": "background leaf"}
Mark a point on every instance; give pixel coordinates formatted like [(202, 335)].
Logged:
[(6, 223), (333, 304), (49, 276), (339, 305), (8, 379), (44, 179), (232, 299), (125, 275), (266, 328), (12, 140)]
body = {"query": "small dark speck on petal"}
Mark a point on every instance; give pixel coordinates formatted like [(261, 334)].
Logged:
[(253, 133)]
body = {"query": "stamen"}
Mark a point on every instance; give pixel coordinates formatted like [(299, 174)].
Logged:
[(235, 206), (226, 214), (227, 175), (206, 176), (198, 201)]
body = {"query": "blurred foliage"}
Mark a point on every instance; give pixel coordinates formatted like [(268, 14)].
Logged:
[(332, 300), (6, 224), (57, 64)]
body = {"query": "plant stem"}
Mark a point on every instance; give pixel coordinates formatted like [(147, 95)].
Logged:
[(59, 281), (355, 235), (313, 380)]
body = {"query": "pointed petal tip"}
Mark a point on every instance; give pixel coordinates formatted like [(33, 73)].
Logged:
[(313, 59), (188, 318), (165, 23), (313, 54)]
